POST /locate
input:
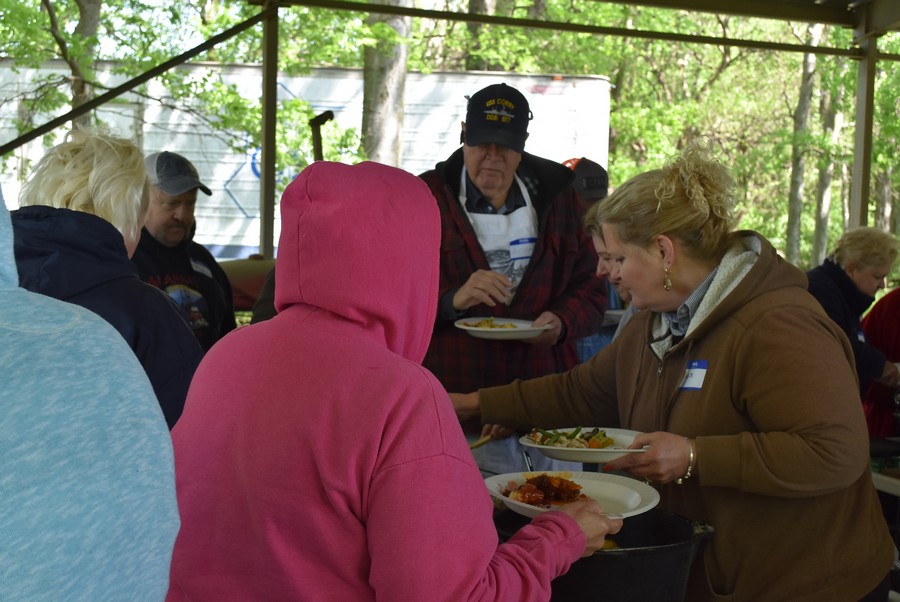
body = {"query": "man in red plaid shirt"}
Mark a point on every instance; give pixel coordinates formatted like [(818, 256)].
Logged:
[(512, 246)]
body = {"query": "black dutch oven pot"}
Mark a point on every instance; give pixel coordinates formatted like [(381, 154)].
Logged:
[(651, 564)]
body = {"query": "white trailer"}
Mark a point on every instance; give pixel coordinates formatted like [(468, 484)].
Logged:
[(571, 119)]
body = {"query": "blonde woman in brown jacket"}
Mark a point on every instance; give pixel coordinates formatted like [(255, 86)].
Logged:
[(744, 390)]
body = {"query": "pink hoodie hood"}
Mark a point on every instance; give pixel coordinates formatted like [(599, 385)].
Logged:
[(400, 273)]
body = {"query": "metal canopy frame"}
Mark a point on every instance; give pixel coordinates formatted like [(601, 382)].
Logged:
[(883, 15), (868, 19)]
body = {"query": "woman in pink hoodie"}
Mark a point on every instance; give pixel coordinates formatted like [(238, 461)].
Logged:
[(316, 459)]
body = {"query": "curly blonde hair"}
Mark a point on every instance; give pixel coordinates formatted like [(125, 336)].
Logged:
[(690, 199), (95, 173)]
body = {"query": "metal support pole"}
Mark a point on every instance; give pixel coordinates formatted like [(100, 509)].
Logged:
[(316, 124), (860, 179), (269, 119)]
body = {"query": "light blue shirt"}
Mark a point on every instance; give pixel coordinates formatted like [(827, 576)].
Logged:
[(87, 478), (679, 320)]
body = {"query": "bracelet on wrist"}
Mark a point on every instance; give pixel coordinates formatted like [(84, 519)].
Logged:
[(690, 468)]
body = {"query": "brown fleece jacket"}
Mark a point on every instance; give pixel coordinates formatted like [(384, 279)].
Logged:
[(783, 464)]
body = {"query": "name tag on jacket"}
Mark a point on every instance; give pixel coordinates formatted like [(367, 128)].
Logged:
[(694, 375)]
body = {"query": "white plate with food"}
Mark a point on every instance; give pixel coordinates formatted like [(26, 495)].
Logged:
[(582, 444), (618, 495), (500, 328)]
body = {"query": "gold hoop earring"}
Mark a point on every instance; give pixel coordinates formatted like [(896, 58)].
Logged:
[(667, 281)]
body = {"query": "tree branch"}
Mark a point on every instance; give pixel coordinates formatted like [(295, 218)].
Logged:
[(60, 40)]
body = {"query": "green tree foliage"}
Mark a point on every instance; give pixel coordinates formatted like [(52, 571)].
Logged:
[(131, 37), (665, 92), (886, 129)]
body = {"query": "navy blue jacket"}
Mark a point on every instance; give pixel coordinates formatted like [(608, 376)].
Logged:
[(81, 258), (845, 303)]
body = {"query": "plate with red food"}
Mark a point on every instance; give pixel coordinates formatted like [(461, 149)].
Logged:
[(500, 328), (531, 493), (593, 445)]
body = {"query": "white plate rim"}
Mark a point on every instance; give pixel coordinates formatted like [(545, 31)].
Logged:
[(649, 496), (523, 330)]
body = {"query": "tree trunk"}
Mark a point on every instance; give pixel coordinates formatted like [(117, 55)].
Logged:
[(619, 84), (832, 123), (892, 203), (87, 28), (538, 10), (823, 208), (845, 197), (478, 7), (883, 200), (79, 63), (384, 74), (799, 148)]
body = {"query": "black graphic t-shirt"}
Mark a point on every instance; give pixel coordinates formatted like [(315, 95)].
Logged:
[(194, 280)]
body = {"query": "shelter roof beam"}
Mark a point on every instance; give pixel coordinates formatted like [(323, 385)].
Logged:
[(879, 17), (568, 26), (831, 13)]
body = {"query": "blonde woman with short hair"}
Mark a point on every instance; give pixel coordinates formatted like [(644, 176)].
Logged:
[(80, 218), (97, 174)]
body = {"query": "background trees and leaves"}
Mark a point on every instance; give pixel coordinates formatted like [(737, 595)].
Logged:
[(786, 148), (664, 93), (130, 35)]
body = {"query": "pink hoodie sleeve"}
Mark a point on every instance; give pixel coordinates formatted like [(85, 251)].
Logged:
[(448, 548)]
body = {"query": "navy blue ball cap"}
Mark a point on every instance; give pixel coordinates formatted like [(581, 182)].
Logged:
[(498, 114)]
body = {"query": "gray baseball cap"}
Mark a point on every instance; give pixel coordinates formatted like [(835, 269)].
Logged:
[(173, 174)]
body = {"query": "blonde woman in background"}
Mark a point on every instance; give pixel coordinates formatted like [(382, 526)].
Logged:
[(845, 284), (742, 390), (80, 218)]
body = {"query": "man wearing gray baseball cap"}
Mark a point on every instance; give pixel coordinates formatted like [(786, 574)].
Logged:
[(167, 256)]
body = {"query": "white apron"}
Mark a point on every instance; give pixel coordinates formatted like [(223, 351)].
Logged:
[(507, 240)]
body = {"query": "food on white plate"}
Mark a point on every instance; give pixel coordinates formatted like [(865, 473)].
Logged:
[(595, 438), (543, 491), (489, 323)]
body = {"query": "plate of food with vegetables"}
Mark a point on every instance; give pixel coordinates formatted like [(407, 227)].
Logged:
[(500, 328), (582, 444)]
